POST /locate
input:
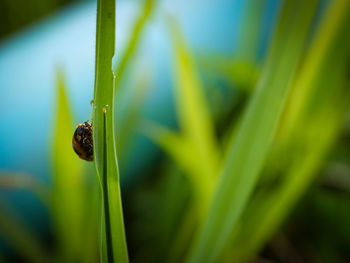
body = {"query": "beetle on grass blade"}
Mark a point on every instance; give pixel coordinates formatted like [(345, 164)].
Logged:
[(82, 141)]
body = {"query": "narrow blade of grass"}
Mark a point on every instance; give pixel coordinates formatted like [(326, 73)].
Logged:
[(134, 39), (68, 186), (174, 145), (327, 102), (181, 151), (277, 205), (250, 30), (195, 149), (248, 150), (105, 158), (194, 117), (129, 120), (309, 73)]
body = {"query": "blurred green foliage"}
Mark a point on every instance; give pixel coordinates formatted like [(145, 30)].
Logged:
[(259, 170), (72, 194)]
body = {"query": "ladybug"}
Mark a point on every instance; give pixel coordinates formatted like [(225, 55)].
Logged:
[(82, 141)]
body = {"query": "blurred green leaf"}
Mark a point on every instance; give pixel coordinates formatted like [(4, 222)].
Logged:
[(250, 30), (70, 196), (129, 121), (134, 40), (174, 144), (316, 59), (247, 152), (311, 139), (239, 73), (196, 149), (194, 117)]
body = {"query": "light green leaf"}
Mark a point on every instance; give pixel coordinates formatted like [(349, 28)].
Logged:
[(181, 151), (193, 114), (134, 40), (174, 144), (326, 101), (309, 74), (68, 203), (248, 150)]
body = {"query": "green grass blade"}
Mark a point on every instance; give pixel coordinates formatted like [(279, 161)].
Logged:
[(315, 60), (239, 73), (174, 145), (326, 103), (180, 150), (193, 114), (277, 205), (105, 158), (197, 130), (250, 30), (68, 182), (195, 149), (129, 120), (105, 198), (134, 39), (248, 150)]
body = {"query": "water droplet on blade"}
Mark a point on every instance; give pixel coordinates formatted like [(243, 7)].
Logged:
[(105, 108)]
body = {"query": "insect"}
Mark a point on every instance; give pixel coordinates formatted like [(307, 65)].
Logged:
[(82, 141)]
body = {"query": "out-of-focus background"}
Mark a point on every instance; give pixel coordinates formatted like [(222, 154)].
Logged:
[(186, 71)]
